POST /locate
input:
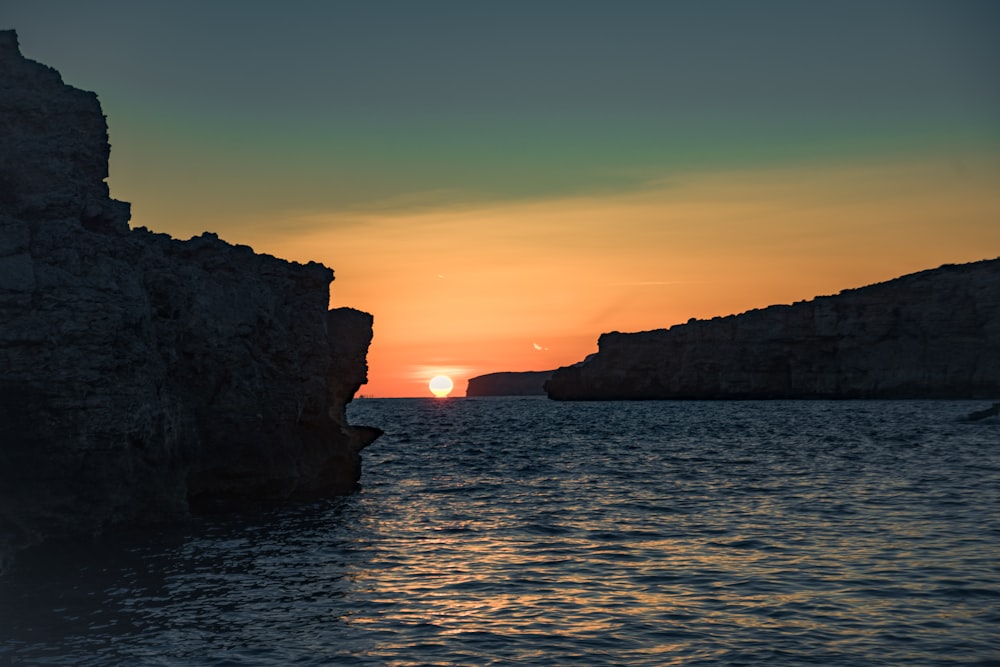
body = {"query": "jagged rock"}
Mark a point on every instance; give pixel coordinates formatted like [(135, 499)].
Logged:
[(141, 376), (932, 334), (66, 179), (525, 383)]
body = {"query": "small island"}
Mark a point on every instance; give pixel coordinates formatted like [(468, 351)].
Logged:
[(513, 383)]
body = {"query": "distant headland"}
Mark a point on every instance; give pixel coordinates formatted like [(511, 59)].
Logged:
[(143, 376), (523, 383), (932, 334)]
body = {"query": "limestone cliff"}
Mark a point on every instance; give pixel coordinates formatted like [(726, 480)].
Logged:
[(141, 375), (933, 334), (525, 383)]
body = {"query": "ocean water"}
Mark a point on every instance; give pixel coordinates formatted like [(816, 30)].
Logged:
[(528, 532)]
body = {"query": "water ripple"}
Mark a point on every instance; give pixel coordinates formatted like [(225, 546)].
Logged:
[(522, 531)]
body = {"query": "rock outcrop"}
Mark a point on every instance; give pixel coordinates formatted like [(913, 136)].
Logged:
[(142, 376), (512, 383), (932, 334)]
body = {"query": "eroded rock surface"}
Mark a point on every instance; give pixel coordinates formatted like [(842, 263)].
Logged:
[(141, 375), (932, 334)]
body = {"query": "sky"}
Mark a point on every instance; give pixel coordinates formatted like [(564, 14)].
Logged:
[(498, 183)]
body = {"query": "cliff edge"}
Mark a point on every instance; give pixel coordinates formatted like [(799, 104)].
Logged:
[(142, 376), (932, 334)]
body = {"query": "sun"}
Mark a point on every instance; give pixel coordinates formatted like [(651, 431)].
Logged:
[(441, 385)]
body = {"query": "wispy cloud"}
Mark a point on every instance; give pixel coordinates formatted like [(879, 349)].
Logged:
[(425, 372)]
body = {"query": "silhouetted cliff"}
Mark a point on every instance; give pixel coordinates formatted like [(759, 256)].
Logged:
[(525, 383), (933, 334), (141, 375)]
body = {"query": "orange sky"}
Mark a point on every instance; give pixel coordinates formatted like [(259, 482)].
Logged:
[(498, 183), (470, 290)]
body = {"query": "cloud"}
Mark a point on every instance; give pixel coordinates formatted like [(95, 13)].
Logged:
[(425, 372)]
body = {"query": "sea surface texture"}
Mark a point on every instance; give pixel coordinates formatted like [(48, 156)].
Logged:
[(523, 531)]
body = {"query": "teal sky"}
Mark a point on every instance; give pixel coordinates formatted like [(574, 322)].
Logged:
[(255, 108)]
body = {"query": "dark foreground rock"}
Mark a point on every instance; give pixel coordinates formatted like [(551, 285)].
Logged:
[(933, 334), (141, 376), (526, 383)]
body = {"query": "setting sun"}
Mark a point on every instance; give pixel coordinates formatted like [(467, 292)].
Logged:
[(441, 385)]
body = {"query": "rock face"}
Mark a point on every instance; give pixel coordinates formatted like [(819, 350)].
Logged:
[(141, 376), (933, 334), (527, 383)]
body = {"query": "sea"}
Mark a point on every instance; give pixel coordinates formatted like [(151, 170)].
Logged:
[(523, 531)]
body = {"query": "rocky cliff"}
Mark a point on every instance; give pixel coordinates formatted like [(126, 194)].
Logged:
[(525, 383), (933, 334), (141, 376)]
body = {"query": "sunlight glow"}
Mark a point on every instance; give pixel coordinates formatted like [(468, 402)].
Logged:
[(441, 385)]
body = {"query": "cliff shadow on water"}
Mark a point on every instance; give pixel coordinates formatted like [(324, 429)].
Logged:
[(141, 375)]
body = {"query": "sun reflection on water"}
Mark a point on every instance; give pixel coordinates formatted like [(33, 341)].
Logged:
[(528, 532), (701, 544)]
